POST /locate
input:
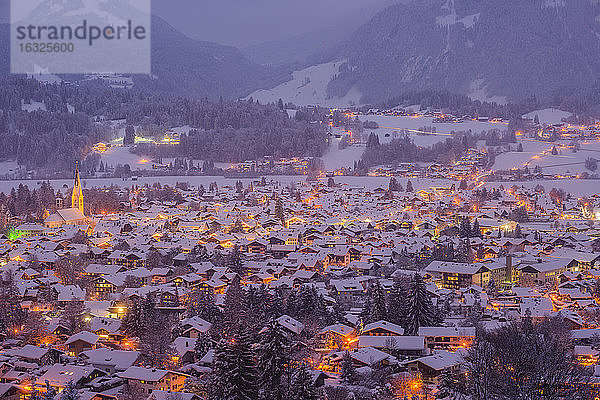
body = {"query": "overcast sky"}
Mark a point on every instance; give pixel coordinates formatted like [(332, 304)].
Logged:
[(246, 22)]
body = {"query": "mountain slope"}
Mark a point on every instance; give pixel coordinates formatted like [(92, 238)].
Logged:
[(184, 66), (485, 47), (187, 67)]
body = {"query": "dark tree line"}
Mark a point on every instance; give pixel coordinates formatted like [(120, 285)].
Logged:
[(404, 149), (226, 130), (408, 304)]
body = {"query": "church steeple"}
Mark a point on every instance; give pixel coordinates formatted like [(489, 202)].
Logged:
[(77, 197)]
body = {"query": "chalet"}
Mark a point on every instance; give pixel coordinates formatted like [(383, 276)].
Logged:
[(59, 375), (108, 360), (194, 326), (334, 336), (363, 357), (438, 337), (453, 275), (185, 349), (107, 329), (382, 328), (542, 273), (146, 380), (290, 324), (11, 392), (81, 341), (347, 289), (126, 259), (405, 346), (257, 246), (106, 284), (431, 368)]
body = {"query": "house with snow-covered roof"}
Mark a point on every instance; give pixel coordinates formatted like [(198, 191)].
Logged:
[(146, 380)]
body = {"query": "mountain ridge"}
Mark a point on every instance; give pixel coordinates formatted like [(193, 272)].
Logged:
[(187, 67), (514, 50)]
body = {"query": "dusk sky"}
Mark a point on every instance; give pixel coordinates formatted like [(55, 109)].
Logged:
[(247, 22)]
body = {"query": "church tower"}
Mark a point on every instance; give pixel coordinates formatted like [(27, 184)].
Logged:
[(77, 197)]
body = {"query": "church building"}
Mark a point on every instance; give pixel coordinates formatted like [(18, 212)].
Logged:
[(73, 215)]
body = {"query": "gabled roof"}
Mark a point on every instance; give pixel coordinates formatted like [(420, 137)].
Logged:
[(340, 329), (145, 374), (388, 326), (58, 375), (120, 359), (84, 336), (453, 267), (441, 360), (291, 324)]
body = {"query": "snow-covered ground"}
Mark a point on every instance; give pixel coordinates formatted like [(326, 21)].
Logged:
[(33, 106), (577, 187), (121, 155), (538, 153), (334, 158), (391, 127), (309, 87), (8, 167), (548, 115), (45, 78), (478, 91)]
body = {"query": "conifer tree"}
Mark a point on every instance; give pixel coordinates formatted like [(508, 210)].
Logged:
[(375, 308), (279, 211), (302, 385), (50, 392), (348, 372), (421, 311), (398, 303), (476, 230), (234, 371), (273, 361), (204, 343), (235, 305), (70, 392)]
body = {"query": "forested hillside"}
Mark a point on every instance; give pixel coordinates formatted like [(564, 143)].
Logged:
[(503, 50), (183, 66), (67, 120)]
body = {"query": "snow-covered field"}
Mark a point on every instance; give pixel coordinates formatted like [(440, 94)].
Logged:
[(392, 126), (8, 167), (478, 91), (538, 153), (577, 187), (309, 87), (335, 158), (33, 106), (121, 155), (548, 116)]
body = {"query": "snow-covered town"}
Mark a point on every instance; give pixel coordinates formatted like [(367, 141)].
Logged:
[(386, 292), (299, 200)]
